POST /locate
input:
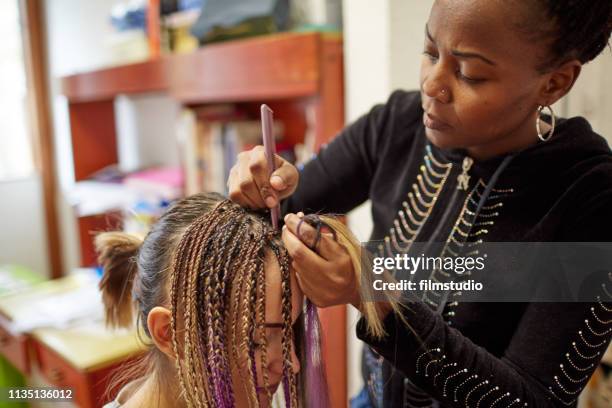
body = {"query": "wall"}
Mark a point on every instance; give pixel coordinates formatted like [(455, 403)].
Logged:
[(23, 233), (22, 226), (591, 96)]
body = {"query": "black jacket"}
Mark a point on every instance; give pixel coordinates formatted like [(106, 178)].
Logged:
[(460, 353)]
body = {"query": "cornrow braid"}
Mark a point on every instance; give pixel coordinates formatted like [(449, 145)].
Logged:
[(185, 377), (227, 276), (261, 319), (220, 264), (289, 382), (188, 264), (248, 329), (239, 284)]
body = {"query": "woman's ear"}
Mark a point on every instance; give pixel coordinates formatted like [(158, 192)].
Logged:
[(158, 322), (559, 82)]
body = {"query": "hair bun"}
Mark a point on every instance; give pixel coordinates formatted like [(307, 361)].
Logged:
[(117, 253)]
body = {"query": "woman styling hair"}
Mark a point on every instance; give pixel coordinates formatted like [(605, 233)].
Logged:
[(212, 288), (476, 155)]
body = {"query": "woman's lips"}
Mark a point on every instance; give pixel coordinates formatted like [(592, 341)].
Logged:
[(433, 123)]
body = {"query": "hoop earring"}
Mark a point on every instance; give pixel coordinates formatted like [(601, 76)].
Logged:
[(546, 137)]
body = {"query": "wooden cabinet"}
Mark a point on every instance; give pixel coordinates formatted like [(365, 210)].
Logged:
[(14, 347), (84, 363), (82, 357)]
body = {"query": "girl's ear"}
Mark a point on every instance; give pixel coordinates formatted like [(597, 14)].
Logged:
[(158, 322)]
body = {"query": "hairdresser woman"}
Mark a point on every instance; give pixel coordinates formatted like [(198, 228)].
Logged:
[(475, 156)]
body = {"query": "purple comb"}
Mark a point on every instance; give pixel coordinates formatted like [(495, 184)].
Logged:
[(270, 149)]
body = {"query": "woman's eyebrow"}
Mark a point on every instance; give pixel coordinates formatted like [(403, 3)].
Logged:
[(428, 34), (461, 54)]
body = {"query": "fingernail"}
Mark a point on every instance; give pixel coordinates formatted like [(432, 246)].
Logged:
[(287, 217), (277, 182), (270, 201)]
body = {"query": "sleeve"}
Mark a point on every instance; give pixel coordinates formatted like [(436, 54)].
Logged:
[(338, 179), (551, 356)]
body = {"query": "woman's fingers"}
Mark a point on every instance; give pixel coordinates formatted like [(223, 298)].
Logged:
[(285, 178), (326, 245), (327, 275), (250, 180), (258, 170), (249, 189), (301, 229), (300, 253)]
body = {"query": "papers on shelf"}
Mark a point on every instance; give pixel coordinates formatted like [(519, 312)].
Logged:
[(94, 197), (61, 309)]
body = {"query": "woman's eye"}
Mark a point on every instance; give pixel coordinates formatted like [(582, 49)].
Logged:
[(468, 79), (430, 56)]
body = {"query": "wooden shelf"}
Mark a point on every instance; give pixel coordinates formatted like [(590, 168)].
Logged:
[(272, 67), (149, 76), (300, 70)]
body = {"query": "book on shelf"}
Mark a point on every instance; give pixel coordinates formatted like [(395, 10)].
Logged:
[(111, 190), (160, 182), (211, 143)]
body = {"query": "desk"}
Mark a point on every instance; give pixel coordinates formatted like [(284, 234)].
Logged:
[(80, 356)]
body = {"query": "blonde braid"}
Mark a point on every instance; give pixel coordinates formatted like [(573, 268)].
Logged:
[(287, 340), (247, 328), (261, 320)]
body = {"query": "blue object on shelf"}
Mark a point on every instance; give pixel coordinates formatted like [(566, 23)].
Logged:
[(229, 13), (126, 17), (191, 4)]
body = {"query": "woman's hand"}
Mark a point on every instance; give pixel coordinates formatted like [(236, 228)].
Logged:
[(250, 186), (325, 273)]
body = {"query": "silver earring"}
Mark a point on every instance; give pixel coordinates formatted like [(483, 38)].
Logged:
[(548, 135)]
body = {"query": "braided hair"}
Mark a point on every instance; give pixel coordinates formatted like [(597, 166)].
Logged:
[(204, 259), (211, 254)]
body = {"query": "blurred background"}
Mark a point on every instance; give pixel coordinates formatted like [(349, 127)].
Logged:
[(111, 109)]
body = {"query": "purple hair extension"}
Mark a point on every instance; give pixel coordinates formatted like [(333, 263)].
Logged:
[(316, 382), (287, 391)]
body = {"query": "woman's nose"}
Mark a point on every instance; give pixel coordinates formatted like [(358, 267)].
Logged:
[(434, 85)]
